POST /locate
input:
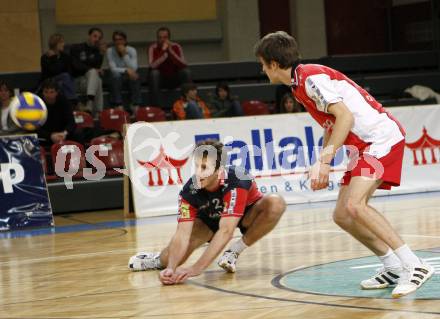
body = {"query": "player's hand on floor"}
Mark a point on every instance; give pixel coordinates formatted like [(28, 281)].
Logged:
[(184, 273), (166, 277), (181, 274)]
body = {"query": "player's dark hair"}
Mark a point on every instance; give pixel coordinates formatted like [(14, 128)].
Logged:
[(93, 29), (279, 47), (221, 155), (164, 29)]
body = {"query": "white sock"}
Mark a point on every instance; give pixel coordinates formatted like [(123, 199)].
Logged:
[(238, 246), (390, 260), (406, 256)]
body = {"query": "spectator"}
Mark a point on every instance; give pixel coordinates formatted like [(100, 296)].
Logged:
[(60, 124), (56, 64), (123, 63), (167, 63), (87, 59), (280, 91), (289, 105), (223, 105), (190, 106), (7, 126)]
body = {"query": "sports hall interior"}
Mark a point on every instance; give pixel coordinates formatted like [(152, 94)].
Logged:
[(78, 269)]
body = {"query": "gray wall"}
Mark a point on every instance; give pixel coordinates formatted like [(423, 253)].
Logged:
[(229, 38), (241, 28), (308, 24)]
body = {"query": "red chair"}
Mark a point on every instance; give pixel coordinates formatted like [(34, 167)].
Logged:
[(115, 153), (43, 156), (83, 119), (114, 119), (150, 114), (255, 107), (68, 155)]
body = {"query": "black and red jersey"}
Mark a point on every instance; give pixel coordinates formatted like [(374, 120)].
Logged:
[(237, 190)]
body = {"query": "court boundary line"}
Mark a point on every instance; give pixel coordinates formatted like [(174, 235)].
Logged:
[(325, 304), (276, 281), (233, 292), (124, 223)]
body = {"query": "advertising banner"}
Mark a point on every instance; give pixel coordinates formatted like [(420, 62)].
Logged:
[(277, 149), (24, 200)]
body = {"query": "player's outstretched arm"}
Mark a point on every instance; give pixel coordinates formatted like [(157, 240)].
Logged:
[(325, 138), (217, 244), (320, 171), (342, 127), (176, 250)]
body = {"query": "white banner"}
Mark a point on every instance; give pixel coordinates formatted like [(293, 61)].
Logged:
[(276, 149)]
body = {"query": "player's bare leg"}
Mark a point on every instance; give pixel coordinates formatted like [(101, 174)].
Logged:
[(354, 205), (200, 235), (150, 261), (342, 217), (262, 218), (259, 221), (389, 273)]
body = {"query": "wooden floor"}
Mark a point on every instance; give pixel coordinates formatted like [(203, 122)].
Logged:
[(83, 274)]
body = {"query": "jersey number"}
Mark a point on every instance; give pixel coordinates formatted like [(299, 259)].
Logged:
[(217, 205)]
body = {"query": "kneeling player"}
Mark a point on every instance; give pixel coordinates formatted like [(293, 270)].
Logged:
[(212, 204)]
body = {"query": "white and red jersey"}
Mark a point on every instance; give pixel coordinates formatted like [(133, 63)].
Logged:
[(374, 131)]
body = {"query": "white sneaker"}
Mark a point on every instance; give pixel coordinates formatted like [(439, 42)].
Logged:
[(384, 278), (412, 278), (228, 261), (144, 261)]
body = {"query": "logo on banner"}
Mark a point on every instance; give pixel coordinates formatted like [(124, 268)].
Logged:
[(424, 149), (161, 165)]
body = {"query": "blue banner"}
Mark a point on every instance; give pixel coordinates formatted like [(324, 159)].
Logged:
[(24, 200)]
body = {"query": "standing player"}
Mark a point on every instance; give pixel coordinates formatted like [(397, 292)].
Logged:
[(213, 203), (352, 117)]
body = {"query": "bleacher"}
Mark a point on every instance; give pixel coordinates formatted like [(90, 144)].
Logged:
[(385, 76)]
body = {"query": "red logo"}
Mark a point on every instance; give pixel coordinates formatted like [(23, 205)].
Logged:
[(164, 163), (424, 143)]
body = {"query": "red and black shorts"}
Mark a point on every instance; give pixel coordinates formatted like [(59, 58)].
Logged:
[(214, 223)]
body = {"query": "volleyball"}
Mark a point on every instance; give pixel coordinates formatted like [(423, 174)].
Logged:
[(28, 111)]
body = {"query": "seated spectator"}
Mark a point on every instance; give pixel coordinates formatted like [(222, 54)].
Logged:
[(289, 105), (87, 59), (60, 124), (222, 104), (280, 91), (56, 65), (7, 126), (123, 63), (190, 106), (168, 66)]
